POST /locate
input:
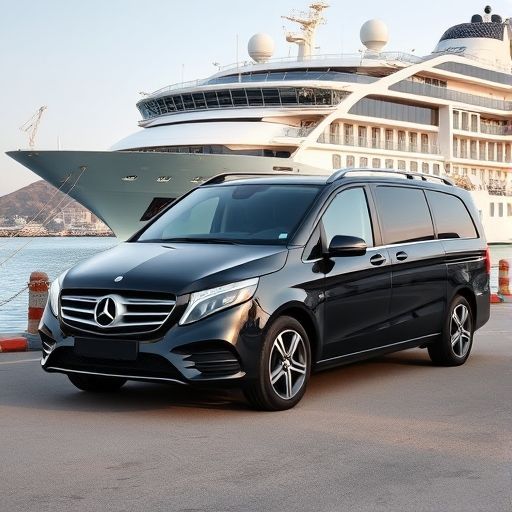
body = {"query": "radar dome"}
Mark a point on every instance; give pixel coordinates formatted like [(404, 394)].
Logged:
[(374, 35), (260, 47)]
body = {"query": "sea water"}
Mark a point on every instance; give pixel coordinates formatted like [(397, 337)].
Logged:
[(21, 256)]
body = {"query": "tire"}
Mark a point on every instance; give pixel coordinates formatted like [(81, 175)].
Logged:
[(284, 367), (96, 383), (454, 345)]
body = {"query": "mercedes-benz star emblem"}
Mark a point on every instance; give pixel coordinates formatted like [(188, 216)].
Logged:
[(105, 312)]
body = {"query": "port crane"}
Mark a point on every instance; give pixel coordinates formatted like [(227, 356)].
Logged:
[(31, 126)]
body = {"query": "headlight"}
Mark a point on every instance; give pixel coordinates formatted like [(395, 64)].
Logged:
[(206, 302), (53, 295)]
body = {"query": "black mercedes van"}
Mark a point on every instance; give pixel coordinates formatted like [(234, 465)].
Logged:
[(255, 281)]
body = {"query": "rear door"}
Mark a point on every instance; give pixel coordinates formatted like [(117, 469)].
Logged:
[(418, 267)]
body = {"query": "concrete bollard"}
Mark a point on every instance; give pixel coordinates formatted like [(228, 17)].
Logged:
[(504, 281), (37, 296)]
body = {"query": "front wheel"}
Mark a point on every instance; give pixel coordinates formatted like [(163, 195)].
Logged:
[(454, 345), (284, 367), (96, 383)]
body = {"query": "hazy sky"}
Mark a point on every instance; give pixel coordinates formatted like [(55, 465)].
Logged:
[(87, 60)]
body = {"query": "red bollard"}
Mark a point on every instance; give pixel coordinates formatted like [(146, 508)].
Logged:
[(504, 280), (37, 297)]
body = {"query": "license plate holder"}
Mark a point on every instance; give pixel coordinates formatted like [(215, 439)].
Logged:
[(121, 350)]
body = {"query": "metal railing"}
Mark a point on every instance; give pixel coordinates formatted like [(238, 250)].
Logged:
[(303, 131), (384, 56), (245, 66), (496, 130), (363, 142), (433, 91)]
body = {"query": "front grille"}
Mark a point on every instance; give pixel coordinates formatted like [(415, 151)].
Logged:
[(133, 313)]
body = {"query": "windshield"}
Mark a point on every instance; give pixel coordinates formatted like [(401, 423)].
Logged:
[(254, 214)]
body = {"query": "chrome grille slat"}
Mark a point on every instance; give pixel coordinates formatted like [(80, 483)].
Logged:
[(78, 310), (149, 303), (135, 314), (129, 313), (80, 299)]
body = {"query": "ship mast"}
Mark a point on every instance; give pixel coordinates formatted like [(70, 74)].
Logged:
[(309, 22)]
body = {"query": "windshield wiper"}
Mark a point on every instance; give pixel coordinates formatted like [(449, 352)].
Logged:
[(199, 240)]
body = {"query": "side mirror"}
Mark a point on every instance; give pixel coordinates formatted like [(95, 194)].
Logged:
[(347, 246)]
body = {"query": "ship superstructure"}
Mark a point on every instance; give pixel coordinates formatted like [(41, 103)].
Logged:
[(447, 113)]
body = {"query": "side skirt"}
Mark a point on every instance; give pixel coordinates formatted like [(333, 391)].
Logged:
[(373, 352)]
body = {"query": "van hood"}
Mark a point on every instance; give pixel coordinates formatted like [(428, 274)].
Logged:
[(177, 268)]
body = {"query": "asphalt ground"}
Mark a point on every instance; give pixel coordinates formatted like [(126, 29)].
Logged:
[(390, 434)]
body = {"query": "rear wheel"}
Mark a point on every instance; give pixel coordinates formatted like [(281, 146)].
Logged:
[(96, 383), (284, 367), (454, 345)]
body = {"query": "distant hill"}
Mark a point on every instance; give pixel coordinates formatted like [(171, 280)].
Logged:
[(28, 201)]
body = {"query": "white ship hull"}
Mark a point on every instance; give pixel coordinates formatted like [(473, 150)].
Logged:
[(95, 180)]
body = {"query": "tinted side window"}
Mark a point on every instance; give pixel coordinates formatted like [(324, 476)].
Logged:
[(404, 215), (451, 216), (348, 215)]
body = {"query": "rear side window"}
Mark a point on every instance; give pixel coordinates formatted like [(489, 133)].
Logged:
[(404, 215), (451, 216)]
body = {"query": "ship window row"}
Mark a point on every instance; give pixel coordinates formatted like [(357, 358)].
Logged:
[(243, 97), (482, 150), (374, 137), (498, 209), (428, 81), (274, 76), (476, 72), (364, 162), (496, 182), (472, 122), (212, 149), (410, 87), (397, 111)]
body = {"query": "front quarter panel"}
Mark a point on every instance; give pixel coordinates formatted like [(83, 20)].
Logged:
[(298, 288)]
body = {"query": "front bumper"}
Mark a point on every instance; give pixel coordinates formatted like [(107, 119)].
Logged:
[(221, 350)]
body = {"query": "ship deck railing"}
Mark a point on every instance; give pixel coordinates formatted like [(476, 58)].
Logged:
[(244, 66), (371, 143)]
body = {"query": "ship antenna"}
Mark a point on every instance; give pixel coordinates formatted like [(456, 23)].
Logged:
[(309, 22)]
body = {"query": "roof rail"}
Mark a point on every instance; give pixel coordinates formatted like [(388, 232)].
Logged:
[(221, 178), (342, 173)]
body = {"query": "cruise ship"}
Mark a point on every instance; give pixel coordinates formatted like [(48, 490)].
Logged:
[(447, 113)]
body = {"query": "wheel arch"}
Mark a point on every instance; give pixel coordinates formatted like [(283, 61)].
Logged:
[(307, 319), (469, 295)]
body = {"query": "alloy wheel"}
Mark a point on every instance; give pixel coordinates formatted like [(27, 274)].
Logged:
[(287, 364), (460, 330)]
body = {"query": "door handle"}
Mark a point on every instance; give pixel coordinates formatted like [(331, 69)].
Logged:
[(377, 259), (401, 256)]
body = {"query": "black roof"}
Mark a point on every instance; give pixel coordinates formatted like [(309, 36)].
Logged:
[(484, 30)]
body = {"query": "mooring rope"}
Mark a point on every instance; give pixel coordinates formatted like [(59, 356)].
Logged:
[(16, 233), (47, 220)]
